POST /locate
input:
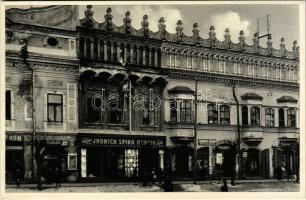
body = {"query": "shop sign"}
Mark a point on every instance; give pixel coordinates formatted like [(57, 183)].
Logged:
[(219, 158), (207, 142), (57, 142), (72, 161), (132, 142), (14, 138), (245, 154)]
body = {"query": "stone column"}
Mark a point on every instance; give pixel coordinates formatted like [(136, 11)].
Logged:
[(150, 57), (85, 48), (138, 56), (98, 50), (105, 51), (118, 53), (155, 58), (276, 117), (144, 56), (271, 170), (285, 117), (249, 115), (210, 161), (91, 48), (112, 50), (131, 55)]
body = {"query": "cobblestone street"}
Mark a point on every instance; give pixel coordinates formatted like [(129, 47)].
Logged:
[(188, 187)]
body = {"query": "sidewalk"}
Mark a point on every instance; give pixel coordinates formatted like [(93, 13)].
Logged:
[(32, 185)]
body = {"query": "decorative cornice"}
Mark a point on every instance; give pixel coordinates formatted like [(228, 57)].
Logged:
[(229, 79), (195, 40)]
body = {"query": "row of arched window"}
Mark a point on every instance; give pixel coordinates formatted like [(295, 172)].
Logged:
[(221, 115), (231, 66), (108, 51)]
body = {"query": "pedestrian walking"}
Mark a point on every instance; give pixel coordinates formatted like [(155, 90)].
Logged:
[(224, 187), (153, 176), (57, 176), (18, 173)]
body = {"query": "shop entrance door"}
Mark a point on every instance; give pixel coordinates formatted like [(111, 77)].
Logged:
[(203, 163), (252, 163), (13, 159), (183, 162)]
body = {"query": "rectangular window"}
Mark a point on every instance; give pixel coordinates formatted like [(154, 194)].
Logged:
[(269, 117), (281, 117), (55, 108), (291, 116), (255, 116), (245, 116), (185, 108), (8, 105), (224, 114), (148, 114), (212, 114), (93, 110), (173, 111)]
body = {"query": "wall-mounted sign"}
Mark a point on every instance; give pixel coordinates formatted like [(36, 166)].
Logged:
[(207, 142), (14, 138), (219, 158), (118, 140), (72, 161)]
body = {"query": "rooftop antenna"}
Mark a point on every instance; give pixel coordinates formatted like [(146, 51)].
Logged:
[(264, 26)]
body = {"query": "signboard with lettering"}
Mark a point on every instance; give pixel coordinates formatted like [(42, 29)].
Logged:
[(207, 142), (120, 140), (72, 161)]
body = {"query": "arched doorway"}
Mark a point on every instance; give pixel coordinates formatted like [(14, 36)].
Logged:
[(53, 157), (252, 164), (224, 160)]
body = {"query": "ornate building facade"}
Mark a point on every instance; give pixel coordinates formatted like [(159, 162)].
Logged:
[(112, 99)]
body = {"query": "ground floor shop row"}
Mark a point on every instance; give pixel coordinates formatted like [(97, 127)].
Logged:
[(102, 158)]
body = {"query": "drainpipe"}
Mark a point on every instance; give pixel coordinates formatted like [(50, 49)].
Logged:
[(195, 141), (238, 134), (24, 55)]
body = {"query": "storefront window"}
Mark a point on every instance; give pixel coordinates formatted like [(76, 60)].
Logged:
[(224, 114), (269, 117), (291, 117), (131, 162), (281, 117), (8, 105), (255, 116), (185, 111), (55, 108), (212, 114)]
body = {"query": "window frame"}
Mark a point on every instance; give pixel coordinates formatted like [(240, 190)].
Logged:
[(269, 117), (225, 110), (212, 113), (281, 117), (173, 110), (54, 108), (185, 112), (255, 116), (151, 112), (291, 112), (245, 119)]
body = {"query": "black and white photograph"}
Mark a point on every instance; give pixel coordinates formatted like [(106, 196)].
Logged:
[(153, 98)]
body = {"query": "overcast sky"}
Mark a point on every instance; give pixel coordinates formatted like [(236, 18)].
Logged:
[(284, 19)]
